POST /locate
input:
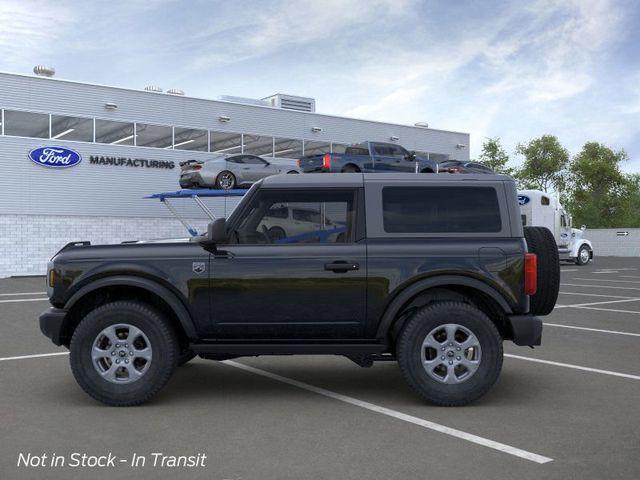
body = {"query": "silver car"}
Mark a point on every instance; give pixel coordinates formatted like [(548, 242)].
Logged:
[(230, 171)]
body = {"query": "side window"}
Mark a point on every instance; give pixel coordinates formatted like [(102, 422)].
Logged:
[(317, 216), (253, 160), (383, 150), (238, 159), (440, 210), (544, 200), (563, 221), (398, 151)]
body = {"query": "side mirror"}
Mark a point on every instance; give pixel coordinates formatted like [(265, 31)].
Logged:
[(583, 228), (411, 156), (217, 231)]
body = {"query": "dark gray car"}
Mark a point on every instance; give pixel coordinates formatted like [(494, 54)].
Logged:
[(230, 171)]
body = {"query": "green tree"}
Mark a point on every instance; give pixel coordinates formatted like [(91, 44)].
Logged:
[(494, 156), (601, 195), (545, 164)]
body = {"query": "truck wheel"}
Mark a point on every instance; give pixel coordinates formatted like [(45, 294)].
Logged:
[(541, 242), (276, 233), (225, 180), (123, 353), (350, 169), (450, 353), (584, 255)]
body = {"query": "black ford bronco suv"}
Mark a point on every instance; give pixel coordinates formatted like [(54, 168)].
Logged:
[(432, 271)]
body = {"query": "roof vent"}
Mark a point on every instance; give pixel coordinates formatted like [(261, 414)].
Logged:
[(43, 71), (244, 100), (153, 88), (175, 91), (291, 102)]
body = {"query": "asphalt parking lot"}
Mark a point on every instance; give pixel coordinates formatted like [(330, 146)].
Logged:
[(568, 409)]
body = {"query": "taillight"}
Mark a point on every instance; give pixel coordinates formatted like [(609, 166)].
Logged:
[(454, 170), (326, 161), (530, 273), (298, 163), (196, 167)]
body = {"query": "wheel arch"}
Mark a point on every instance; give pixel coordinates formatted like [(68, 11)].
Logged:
[(443, 288), (118, 287), (351, 164)]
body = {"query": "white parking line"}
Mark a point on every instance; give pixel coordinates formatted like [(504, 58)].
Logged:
[(597, 303), (575, 367), (599, 286), (614, 332), (17, 300), (592, 295), (607, 280), (24, 357), (485, 442), (569, 269), (24, 293), (610, 310)]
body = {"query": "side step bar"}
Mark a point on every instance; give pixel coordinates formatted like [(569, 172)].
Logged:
[(250, 349)]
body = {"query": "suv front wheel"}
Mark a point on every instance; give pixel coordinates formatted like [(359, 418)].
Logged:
[(450, 353), (123, 353)]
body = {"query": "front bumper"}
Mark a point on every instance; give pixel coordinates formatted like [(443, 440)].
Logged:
[(527, 330), (52, 324)]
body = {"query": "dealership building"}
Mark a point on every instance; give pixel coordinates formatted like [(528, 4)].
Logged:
[(126, 144)]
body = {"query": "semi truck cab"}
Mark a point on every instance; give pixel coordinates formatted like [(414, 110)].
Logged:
[(540, 209)]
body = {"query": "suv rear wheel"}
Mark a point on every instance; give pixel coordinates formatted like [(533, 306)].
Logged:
[(450, 353), (123, 353)]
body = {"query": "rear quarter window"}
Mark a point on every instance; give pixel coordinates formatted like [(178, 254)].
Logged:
[(441, 210)]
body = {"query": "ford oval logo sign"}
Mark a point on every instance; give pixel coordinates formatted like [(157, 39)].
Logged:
[(523, 199), (55, 157)]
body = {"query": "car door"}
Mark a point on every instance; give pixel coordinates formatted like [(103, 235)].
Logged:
[(390, 158), (306, 284), (257, 168)]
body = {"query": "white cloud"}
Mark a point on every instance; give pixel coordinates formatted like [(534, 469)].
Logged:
[(29, 30)]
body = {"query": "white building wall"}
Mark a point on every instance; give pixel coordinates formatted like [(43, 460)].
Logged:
[(29, 241), (611, 242)]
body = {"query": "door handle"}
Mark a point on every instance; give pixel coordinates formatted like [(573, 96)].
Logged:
[(340, 266)]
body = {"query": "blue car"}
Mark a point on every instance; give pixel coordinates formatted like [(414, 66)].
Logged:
[(368, 157)]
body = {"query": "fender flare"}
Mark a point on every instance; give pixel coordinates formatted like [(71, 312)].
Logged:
[(577, 245), (164, 293), (416, 288)]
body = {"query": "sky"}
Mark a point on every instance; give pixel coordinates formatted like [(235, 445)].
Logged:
[(514, 70)]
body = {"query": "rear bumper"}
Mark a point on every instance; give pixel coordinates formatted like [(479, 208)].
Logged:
[(527, 330), (52, 324)]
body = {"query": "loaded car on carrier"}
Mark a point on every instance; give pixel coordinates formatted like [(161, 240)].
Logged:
[(431, 271)]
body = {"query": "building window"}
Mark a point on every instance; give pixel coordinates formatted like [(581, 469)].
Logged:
[(287, 148), (257, 145), (440, 210), (115, 133), (71, 128), (26, 124), (316, 148), (157, 136), (190, 139), (226, 143)]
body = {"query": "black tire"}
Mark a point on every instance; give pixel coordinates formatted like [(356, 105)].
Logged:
[(579, 260), (221, 182), (350, 169), (276, 233), (409, 350), (162, 339), (292, 172), (541, 242), (185, 356)]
